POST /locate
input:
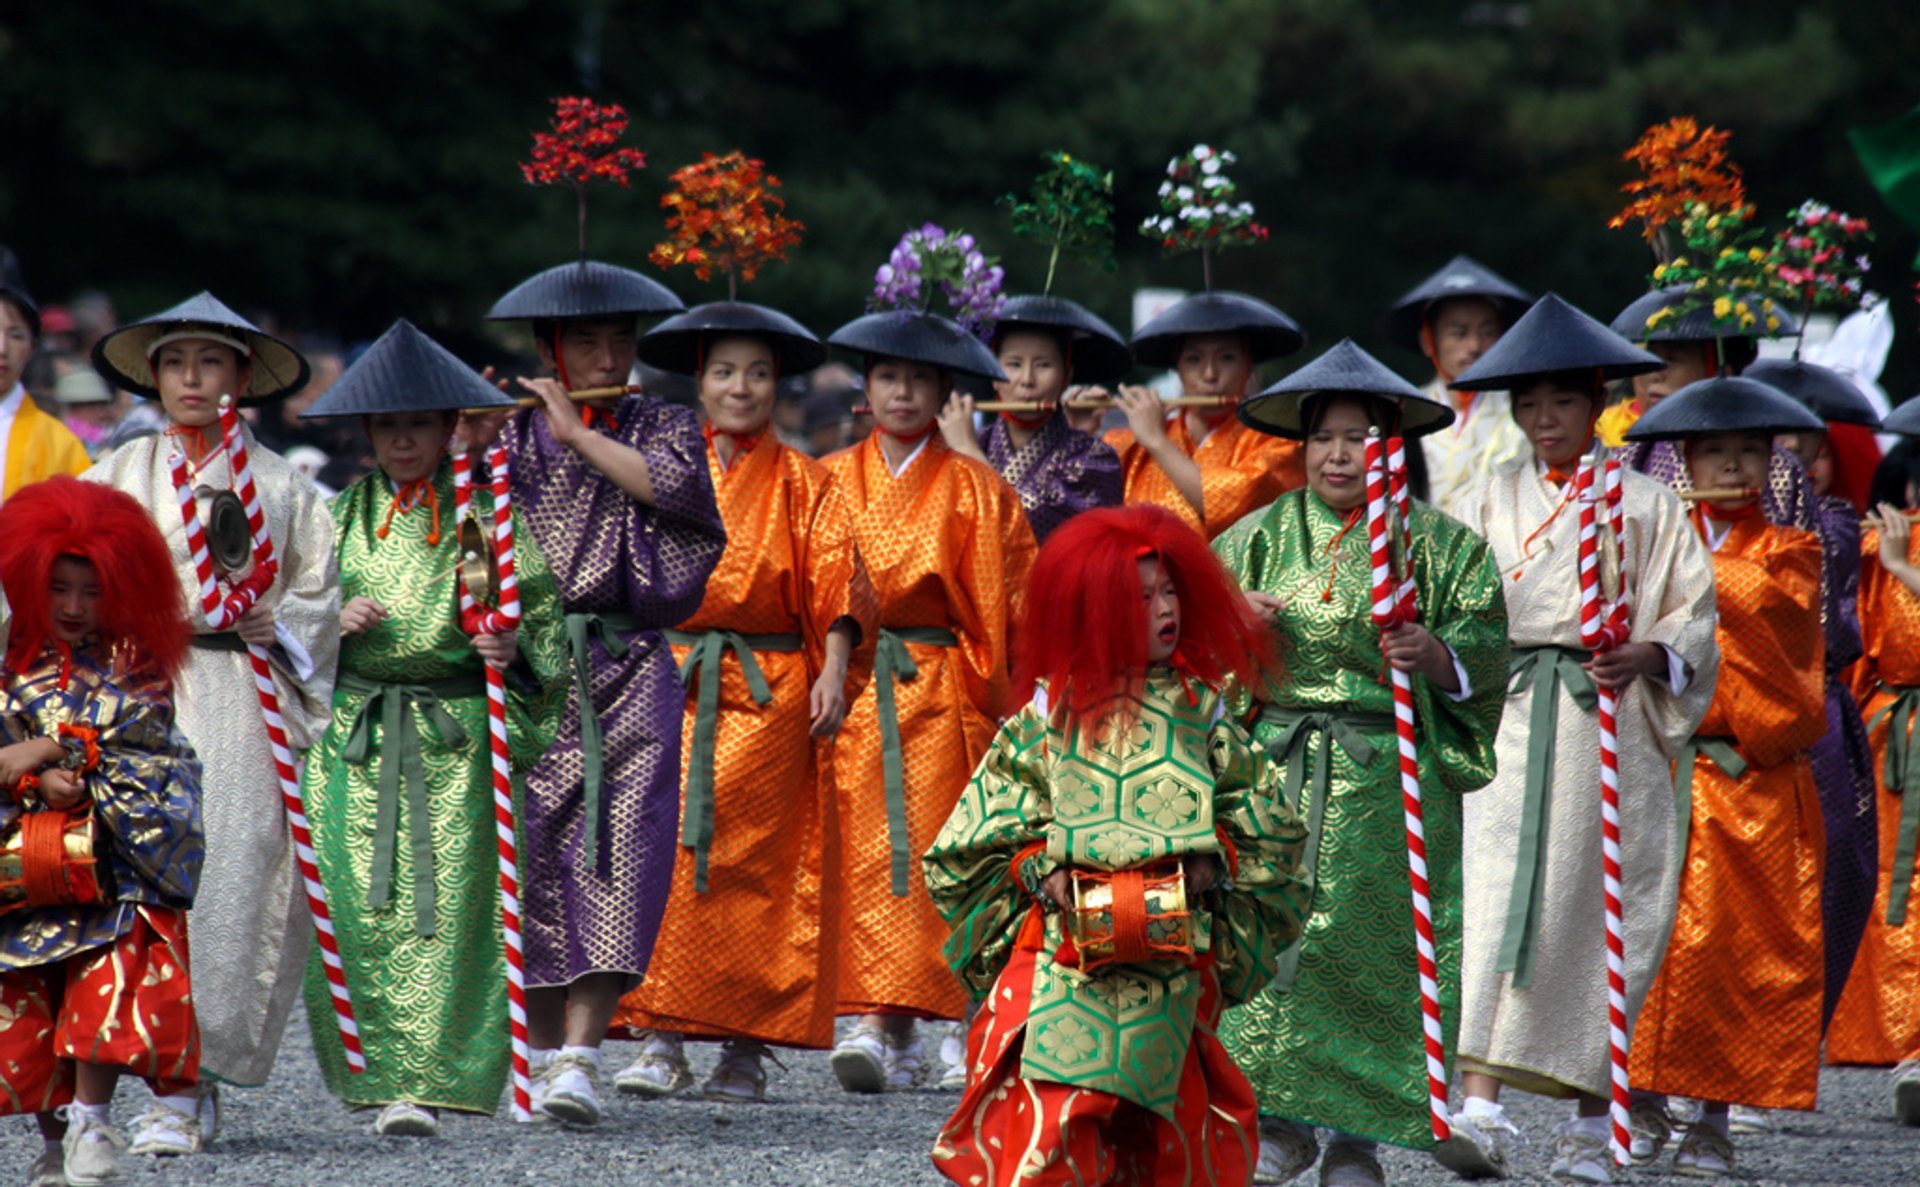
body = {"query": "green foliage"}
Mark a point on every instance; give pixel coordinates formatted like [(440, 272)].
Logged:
[(1070, 210)]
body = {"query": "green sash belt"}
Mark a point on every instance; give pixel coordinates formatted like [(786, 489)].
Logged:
[(891, 662), (1545, 670), (1724, 756), (401, 758), (708, 650), (1899, 774), (608, 627), (1298, 727)]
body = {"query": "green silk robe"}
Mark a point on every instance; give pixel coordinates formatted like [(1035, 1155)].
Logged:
[(1337, 1040), (1181, 778), (432, 1007)]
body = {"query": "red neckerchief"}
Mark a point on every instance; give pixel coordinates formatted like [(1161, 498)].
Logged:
[(903, 439), (742, 442), (1333, 549), (1028, 422), (405, 499), (599, 418)]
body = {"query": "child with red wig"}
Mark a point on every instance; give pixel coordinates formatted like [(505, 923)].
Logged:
[(101, 822), (1092, 1057)]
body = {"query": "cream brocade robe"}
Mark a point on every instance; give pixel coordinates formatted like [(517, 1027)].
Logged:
[(1462, 455), (249, 923), (1551, 1035)]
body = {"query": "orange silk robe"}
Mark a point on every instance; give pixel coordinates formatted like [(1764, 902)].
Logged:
[(1734, 1013), (755, 954), (947, 546), (1241, 471), (1878, 1019)]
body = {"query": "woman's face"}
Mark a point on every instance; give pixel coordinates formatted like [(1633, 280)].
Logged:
[(1686, 362), (905, 397), (1729, 460), (1214, 365), (1815, 458), (16, 344), (1337, 455), (737, 384), (192, 374), (1035, 370), (1556, 420), (408, 445), (1162, 601)]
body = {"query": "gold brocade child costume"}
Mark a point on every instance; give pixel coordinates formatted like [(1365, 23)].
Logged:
[(1109, 1071)]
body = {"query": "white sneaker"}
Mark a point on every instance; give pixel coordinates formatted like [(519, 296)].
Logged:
[(1906, 1093), (859, 1061), (50, 1169), (208, 1114), (1481, 1146), (1287, 1148), (1705, 1153), (953, 1058), (165, 1132), (91, 1153), (739, 1077), (573, 1093), (1742, 1119), (404, 1119), (1579, 1157), (659, 1070), (1649, 1128), (1345, 1165), (906, 1062), (537, 1064)]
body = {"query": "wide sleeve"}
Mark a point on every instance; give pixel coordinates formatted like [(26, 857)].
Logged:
[(1875, 617), (1840, 540), (1462, 604), (1670, 575), (678, 541), (836, 584), (145, 788), (1004, 810), (305, 599), (996, 551), (537, 682), (1260, 469), (1143, 481), (1772, 692), (1266, 907)]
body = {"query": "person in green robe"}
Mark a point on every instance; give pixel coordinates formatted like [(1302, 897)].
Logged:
[(400, 789), (1337, 1040)]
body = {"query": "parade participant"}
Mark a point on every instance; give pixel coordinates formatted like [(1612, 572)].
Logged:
[(948, 549), (93, 958), (33, 445), (1533, 1000), (1337, 1040), (398, 790), (781, 642), (1044, 343), (1842, 759), (1129, 629), (1453, 317), (1734, 1013), (615, 492), (1877, 1022), (252, 929)]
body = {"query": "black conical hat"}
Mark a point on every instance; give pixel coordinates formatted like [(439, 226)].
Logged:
[(919, 338), (1696, 325), (275, 369), (1730, 404), (1270, 334), (1554, 336), (675, 344), (1462, 276), (13, 283), (1346, 369), (1100, 355), (1904, 419), (406, 371), (585, 288), (1828, 394)]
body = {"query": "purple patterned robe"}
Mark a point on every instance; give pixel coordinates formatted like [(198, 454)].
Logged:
[(587, 912), (1059, 473)]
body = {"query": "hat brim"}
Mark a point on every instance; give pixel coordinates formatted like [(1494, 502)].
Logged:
[(678, 344), (275, 370), (1283, 414)]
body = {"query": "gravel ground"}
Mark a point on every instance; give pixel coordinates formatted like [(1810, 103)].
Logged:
[(292, 1134)]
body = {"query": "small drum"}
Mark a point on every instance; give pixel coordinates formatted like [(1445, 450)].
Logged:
[(1130, 916), (47, 860)]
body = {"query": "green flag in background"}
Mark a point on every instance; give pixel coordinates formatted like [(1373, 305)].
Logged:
[(1891, 154)]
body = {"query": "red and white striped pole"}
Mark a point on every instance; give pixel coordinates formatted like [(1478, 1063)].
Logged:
[(1602, 628), (1393, 604), (221, 615)]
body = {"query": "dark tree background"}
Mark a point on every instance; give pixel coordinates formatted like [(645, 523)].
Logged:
[(349, 162)]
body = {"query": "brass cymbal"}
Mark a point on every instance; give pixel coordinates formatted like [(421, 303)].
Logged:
[(479, 571), (229, 538)]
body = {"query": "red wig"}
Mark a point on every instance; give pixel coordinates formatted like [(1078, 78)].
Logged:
[(1084, 627), (142, 613)]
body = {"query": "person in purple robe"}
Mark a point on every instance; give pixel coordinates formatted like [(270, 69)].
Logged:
[(1043, 344), (617, 495)]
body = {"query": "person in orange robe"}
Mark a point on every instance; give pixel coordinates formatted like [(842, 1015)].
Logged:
[(948, 547), (33, 445), (1877, 1022), (1734, 1013), (1202, 464), (787, 628)]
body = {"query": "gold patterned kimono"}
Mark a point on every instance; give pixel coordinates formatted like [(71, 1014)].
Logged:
[(251, 930), (1533, 1007), (1480, 440)]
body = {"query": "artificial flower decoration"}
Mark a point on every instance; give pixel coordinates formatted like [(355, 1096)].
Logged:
[(1070, 208), (932, 257), (1198, 210), (1819, 266), (1724, 266), (724, 214), (1682, 166), (580, 150)]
